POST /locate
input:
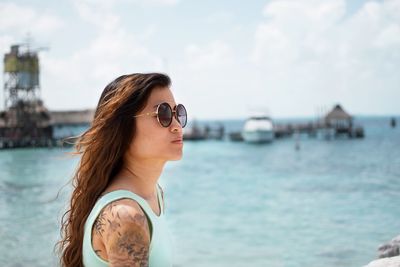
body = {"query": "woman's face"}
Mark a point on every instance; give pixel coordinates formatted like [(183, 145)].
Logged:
[(153, 141)]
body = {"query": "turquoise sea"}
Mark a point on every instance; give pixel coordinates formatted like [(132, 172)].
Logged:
[(331, 203)]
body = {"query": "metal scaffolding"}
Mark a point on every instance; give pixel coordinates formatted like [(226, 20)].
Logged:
[(26, 121)]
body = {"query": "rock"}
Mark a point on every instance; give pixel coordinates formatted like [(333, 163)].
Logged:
[(385, 262), (390, 249)]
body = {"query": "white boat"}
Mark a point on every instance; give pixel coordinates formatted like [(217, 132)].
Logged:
[(258, 129)]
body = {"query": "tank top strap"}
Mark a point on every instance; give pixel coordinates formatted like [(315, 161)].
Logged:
[(160, 199), (119, 194)]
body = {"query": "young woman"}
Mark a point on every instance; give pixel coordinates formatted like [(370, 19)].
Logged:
[(116, 214)]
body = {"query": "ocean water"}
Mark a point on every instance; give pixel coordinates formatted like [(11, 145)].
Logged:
[(331, 203)]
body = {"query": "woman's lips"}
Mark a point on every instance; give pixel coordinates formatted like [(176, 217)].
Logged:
[(178, 141)]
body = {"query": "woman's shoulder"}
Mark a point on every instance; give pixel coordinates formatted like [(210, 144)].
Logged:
[(120, 223), (122, 206), (119, 212)]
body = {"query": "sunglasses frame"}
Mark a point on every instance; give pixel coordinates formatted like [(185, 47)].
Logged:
[(173, 110)]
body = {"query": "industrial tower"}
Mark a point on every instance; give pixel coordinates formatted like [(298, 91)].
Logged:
[(26, 122)]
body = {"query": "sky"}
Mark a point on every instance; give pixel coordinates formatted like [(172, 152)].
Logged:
[(226, 59)]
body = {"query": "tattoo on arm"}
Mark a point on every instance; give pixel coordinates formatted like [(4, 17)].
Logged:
[(127, 237), (99, 224)]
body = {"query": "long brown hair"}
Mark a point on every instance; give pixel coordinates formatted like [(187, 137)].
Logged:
[(102, 147)]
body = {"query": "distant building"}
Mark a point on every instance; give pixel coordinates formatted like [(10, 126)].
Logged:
[(342, 123), (25, 121), (72, 117), (338, 118)]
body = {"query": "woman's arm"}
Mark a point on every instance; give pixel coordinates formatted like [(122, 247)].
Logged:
[(126, 234)]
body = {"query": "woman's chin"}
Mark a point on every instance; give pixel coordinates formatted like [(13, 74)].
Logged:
[(176, 157)]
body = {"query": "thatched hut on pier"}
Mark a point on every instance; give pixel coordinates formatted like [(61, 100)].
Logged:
[(339, 118), (342, 122)]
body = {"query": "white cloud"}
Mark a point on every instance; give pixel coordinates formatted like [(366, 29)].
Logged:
[(390, 36), (150, 3), (159, 2), (222, 17), (75, 79), (99, 13), (213, 55), (295, 26), (24, 19), (304, 54), (5, 41), (113, 51), (211, 80), (317, 54)]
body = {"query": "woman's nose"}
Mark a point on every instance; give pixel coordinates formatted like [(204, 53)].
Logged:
[(175, 125)]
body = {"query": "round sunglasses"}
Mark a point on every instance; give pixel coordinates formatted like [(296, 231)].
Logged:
[(165, 113)]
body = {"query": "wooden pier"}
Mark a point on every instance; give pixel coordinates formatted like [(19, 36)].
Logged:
[(39, 132), (336, 124), (196, 133)]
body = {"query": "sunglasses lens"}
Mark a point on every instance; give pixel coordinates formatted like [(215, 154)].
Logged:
[(165, 114), (181, 114)]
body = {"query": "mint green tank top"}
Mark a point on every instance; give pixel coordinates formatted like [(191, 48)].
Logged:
[(160, 251)]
